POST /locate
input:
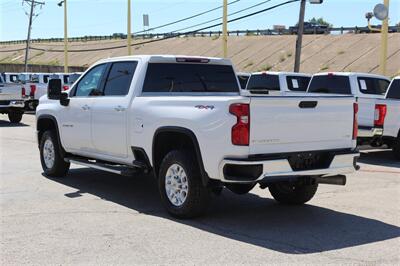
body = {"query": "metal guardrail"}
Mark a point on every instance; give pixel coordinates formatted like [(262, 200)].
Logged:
[(258, 32)]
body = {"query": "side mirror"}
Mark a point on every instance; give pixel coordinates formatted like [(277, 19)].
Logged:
[(64, 100), (54, 89)]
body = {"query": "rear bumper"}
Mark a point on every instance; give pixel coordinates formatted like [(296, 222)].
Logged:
[(250, 170), (12, 104), (369, 132)]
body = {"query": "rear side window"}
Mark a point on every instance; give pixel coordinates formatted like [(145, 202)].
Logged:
[(394, 90), (243, 81), (373, 85), (119, 79), (330, 84), (184, 77), (263, 82), (296, 83)]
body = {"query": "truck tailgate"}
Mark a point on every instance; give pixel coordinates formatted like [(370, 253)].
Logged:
[(291, 124), (10, 92)]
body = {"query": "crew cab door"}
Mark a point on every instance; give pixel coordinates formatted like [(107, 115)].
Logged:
[(76, 117), (110, 111)]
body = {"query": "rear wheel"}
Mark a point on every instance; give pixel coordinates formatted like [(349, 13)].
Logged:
[(15, 116), (292, 193), (396, 148), (180, 186), (51, 158)]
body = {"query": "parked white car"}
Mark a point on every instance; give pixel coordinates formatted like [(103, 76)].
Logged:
[(12, 97), (391, 128), (367, 89), (277, 83), (184, 120)]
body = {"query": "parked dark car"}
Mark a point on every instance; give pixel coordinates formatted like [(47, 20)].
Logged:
[(391, 29), (310, 28)]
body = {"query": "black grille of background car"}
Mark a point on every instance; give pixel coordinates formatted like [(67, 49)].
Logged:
[(310, 161), (4, 102)]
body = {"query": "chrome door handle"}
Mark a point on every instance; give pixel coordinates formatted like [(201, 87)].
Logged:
[(85, 107), (119, 108)]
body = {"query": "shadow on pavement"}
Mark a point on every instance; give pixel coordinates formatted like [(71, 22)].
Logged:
[(379, 157), (248, 218), (6, 123)]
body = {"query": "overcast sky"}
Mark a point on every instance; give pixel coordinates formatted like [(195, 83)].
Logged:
[(104, 17)]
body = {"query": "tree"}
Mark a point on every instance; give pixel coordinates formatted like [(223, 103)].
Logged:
[(320, 21)]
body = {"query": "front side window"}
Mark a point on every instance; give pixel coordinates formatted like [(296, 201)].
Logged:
[(297, 83), (186, 77), (394, 90), (373, 85), (90, 83), (263, 82), (119, 79), (330, 84)]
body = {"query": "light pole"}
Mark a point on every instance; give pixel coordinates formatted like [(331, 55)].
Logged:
[(225, 29), (381, 12), (384, 40), (65, 35), (129, 36)]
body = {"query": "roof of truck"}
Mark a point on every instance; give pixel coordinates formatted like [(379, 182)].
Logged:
[(167, 59), (351, 74), (282, 73)]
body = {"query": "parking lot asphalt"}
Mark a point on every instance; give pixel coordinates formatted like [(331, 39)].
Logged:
[(93, 217)]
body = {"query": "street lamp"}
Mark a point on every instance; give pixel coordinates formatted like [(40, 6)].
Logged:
[(381, 12), (65, 35), (129, 34)]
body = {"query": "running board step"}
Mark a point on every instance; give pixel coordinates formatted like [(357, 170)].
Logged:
[(116, 169)]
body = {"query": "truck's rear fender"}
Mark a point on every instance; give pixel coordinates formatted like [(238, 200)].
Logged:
[(171, 138)]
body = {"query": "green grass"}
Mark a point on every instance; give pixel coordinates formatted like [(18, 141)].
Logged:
[(266, 67), (249, 64), (325, 67)]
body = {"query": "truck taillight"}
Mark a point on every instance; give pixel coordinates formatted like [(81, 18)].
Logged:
[(23, 92), (241, 130), (380, 114), (33, 90), (65, 88), (355, 121)]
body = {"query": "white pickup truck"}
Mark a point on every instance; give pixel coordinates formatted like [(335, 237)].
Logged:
[(368, 89), (391, 127), (275, 83), (12, 98), (184, 120)]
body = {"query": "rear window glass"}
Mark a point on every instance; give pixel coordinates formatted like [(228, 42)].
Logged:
[(65, 79), (373, 85), (243, 81), (296, 83), (119, 80), (394, 90), (330, 84), (184, 77), (263, 82)]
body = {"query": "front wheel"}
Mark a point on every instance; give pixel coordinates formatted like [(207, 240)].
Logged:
[(182, 192), (292, 193), (51, 158), (15, 116)]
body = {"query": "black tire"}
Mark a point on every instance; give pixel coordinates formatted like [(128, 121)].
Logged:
[(240, 189), (15, 116), (291, 193), (396, 148), (59, 168), (197, 196)]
